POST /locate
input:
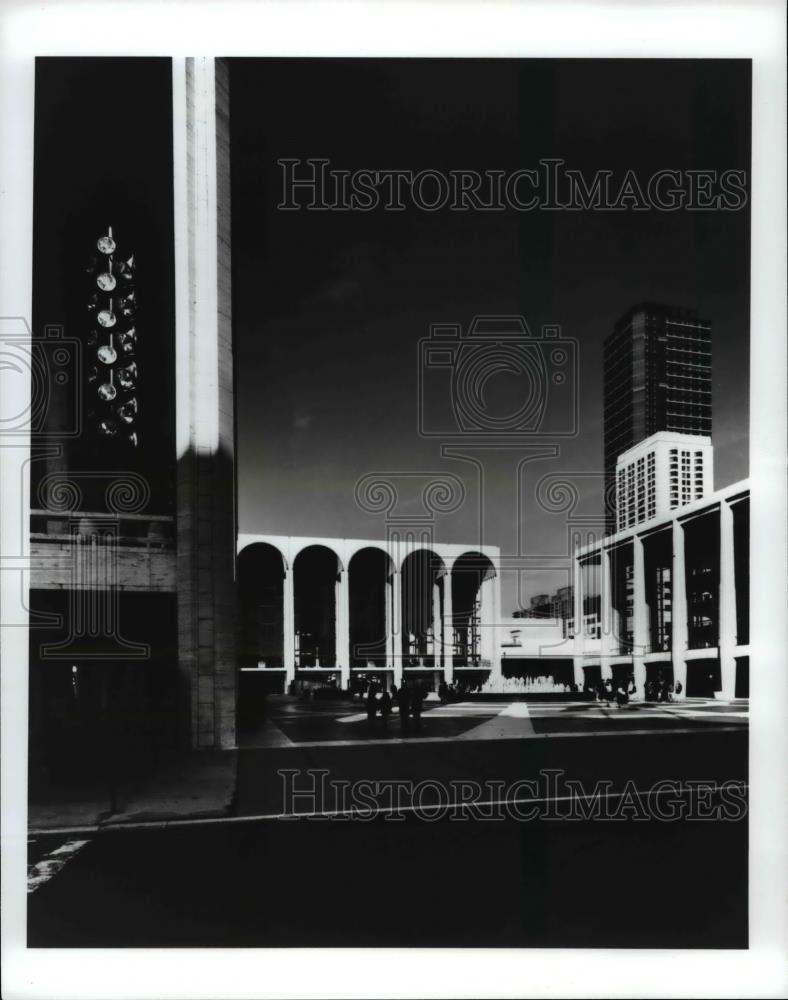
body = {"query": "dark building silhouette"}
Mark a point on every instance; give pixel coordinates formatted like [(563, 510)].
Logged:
[(657, 377)]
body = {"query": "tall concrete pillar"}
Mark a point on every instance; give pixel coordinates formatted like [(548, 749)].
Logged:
[(613, 566), (204, 401), (486, 622), (437, 630), (448, 630), (288, 622), (605, 614), (577, 600), (342, 627), (727, 603), (495, 631), (396, 625), (387, 620), (678, 610), (641, 626)]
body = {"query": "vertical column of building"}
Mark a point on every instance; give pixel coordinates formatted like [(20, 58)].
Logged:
[(437, 630), (495, 631), (204, 400), (577, 625), (486, 622), (605, 614), (288, 624), (396, 625), (448, 630), (641, 626), (727, 601), (679, 631), (614, 568), (387, 620), (342, 627)]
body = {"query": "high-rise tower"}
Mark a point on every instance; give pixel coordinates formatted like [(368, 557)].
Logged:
[(657, 370)]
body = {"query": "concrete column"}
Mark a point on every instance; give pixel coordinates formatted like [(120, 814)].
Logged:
[(641, 626), (577, 599), (342, 627), (613, 564), (448, 630), (396, 625), (387, 614), (727, 604), (495, 632), (678, 611), (204, 401), (486, 623), (288, 623), (436, 625), (605, 614)]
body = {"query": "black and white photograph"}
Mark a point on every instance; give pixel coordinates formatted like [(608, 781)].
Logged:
[(394, 540)]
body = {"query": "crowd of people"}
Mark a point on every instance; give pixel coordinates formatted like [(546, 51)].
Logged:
[(607, 691), (408, 699), (659, 689)]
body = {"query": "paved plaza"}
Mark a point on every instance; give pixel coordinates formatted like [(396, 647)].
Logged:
[(252, 876), (289, 722)]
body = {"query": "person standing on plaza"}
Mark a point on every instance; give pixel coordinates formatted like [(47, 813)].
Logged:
[(372, 706), (415, 705), (403, 701), (385, 707)]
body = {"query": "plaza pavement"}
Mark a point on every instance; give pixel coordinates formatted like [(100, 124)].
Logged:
[(293, 723), (204, 785), (259, 877)]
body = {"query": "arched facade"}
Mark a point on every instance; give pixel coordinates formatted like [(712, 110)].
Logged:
[(395, 608)]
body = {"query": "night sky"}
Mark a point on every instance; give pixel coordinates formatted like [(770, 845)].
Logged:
[(329, 307), (97, 165)]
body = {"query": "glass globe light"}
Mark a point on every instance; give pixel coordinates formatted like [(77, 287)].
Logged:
[(128, 411), (108, 428)]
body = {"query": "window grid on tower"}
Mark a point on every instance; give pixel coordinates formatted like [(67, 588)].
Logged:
[(674, 478), (651, 490)]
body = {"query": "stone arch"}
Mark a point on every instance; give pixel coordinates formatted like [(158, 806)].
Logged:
[(472, 578), (421, 570), (370, 581), (316, 571), (260, 572)]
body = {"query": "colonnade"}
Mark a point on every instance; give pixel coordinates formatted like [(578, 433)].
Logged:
[(450, 638), (611, 556)]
